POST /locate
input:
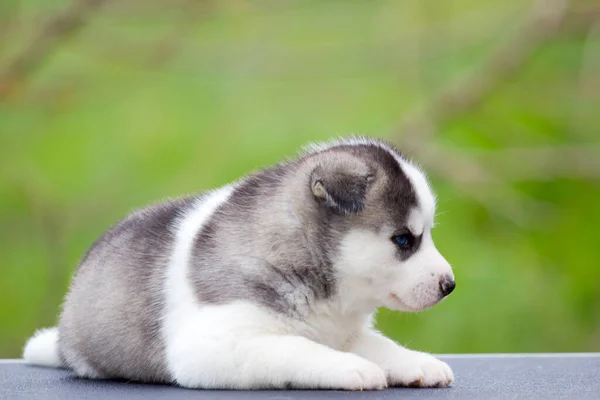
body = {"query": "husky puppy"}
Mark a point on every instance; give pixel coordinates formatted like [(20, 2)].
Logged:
[(269, 282)]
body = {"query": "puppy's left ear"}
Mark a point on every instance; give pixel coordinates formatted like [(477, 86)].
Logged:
[(341, 185)]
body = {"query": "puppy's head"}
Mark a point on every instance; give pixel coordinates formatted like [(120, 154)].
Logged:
[(380, 211)]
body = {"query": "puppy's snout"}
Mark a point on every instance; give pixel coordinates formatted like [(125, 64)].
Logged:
[(447, 285)]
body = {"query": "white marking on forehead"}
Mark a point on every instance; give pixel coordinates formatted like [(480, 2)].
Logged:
[(425, 197), (415, 222)]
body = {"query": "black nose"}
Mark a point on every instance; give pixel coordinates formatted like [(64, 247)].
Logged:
[(447, 285)]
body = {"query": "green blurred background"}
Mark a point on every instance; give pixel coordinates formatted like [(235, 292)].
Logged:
[(106, 106)]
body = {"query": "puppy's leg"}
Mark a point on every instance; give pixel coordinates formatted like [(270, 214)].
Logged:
[(403, 367), (236, 350)]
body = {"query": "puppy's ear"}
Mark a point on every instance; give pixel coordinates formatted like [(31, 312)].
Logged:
[(341, 184)]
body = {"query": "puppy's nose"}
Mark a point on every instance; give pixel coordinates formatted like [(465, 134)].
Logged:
[(447, 285)]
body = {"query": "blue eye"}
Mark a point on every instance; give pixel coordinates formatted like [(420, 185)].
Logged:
[(402, 240)]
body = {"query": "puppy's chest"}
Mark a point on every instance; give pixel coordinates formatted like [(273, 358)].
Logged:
[(332, 329)]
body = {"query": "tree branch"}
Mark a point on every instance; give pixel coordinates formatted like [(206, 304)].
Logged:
[(469, 173), (478, 183), (54, 32), (543, 163), (471, 90)]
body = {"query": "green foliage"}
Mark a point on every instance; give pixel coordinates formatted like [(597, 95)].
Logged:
[(150, 101)]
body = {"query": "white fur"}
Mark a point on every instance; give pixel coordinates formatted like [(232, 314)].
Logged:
[(180, 302), (370, 273), (240, 345), (416, 222), (42, 348), (425, 195), (403, 367)]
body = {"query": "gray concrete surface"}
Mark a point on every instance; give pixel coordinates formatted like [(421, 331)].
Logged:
[(515, 376)]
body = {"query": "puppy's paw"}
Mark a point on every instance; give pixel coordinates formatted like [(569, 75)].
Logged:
[(419, 370), (350, 372)]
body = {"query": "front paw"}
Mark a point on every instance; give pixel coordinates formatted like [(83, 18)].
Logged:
[(350, 372), (419, 370)]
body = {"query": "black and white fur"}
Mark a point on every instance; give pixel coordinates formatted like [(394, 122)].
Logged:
[(269, 282)]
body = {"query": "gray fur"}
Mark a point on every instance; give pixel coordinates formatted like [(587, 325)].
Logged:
[(111, 314), (272, 243)]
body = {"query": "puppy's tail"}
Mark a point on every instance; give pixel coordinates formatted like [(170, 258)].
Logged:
[(42, 348)]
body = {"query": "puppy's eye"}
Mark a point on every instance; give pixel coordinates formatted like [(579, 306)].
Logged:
[(404, 240)]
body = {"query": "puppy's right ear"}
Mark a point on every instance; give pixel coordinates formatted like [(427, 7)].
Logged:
[(341, 184)]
